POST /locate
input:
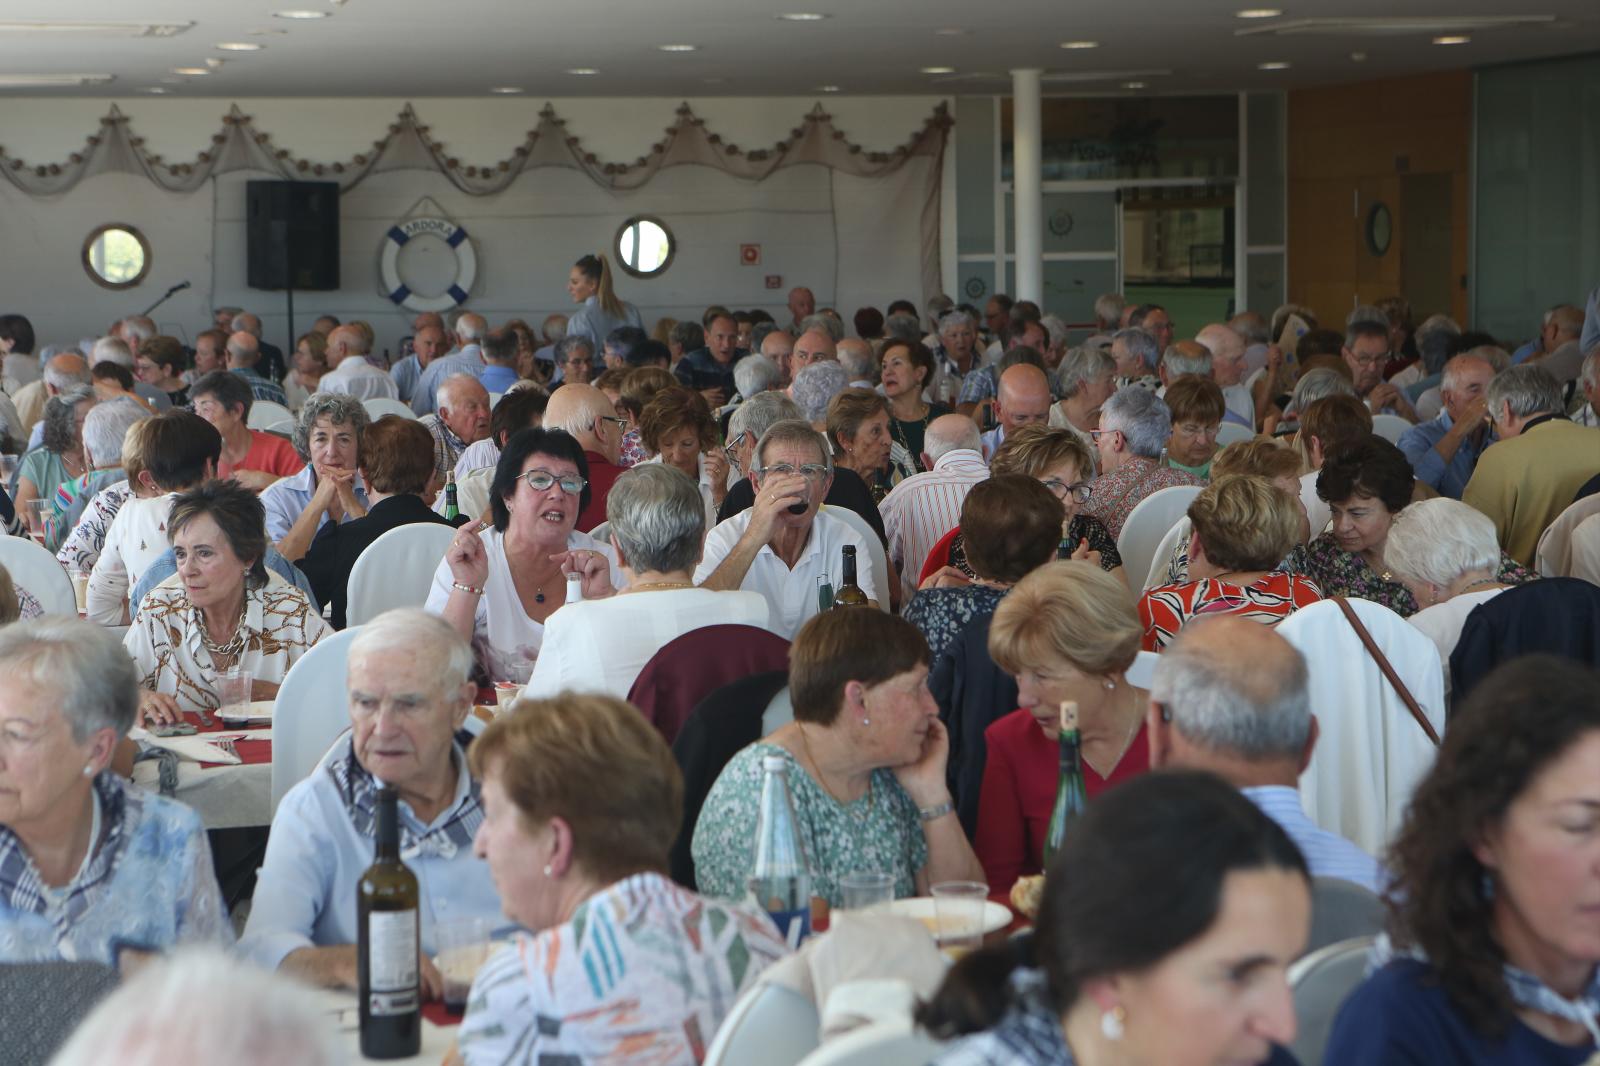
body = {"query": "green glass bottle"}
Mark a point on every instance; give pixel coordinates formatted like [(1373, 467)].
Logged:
[(451, 508), (1071, 799)]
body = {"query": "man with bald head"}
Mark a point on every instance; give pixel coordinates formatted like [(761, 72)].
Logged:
[(61, 372), (1183, 357), (924, 507), (779, 347), (1230, 697), (802, 305), (466, 359), (583, 411), (859, 361), (1023, 398), (1559, 354), (348, 369), (709, 370), (270, 364), (461, 420), (244, 355), (427, 344), (1227, 370)]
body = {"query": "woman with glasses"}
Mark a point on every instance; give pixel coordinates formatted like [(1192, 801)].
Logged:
[(1197, 408), (502, 578)]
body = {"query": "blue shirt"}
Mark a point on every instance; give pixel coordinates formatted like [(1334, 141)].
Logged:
[(591, 321), (1430, 467), (167, 565), (1327, 854), (261, 388), (1591, 323), (286, 498), (425, 397), (406, 373), (498, 378), (1522, 354)]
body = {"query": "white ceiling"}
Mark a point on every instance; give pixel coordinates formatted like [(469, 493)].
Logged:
[(422, 48)]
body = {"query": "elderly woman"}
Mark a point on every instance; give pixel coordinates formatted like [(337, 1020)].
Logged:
[(908, 370), (1241, 528), (502, 577), (573, 863), (1134, 428), (1087, 378), (1165, 934), (1010, 526), (1197, 408), (867, 768), (105, 429), (657, 534), (221, 613), (639, 386), (677, 430), (858, 432), (310, 363), (409, 697), (1492, 948), (93, 865), (1067, 632), (1260, 457), (60, 458), (327, 434), (1365, 486), (815, 385)]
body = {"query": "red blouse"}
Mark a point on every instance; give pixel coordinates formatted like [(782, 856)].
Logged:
[(1166, 608), (1019, 789)]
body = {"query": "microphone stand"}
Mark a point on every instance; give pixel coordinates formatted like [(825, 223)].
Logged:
[(179, 287)]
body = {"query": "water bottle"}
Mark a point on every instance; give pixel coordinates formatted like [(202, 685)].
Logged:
[(574, 588), (780, 880)]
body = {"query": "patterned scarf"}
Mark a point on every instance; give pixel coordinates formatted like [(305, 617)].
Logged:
[(359, 791), (24, 891)]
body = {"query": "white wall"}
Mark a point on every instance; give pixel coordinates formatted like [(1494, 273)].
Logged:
[(854, 242)]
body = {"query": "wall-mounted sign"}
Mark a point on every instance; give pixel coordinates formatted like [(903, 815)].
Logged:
[(749, 255), (454, 238), (975, 287), (774, 281)]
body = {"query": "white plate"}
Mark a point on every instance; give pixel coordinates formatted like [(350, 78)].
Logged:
[(260, 710), (995, 915)]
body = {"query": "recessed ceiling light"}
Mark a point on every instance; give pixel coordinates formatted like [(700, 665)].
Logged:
[(938, 70), (1258, 13), (301, 15), (950, 31), (240, 46), (584, 71), (191, 72), (506, 90), (827, 88), (94, 29), (33, 81), (214, 63), (678, 47), (1074, 46), (1273, 65), (1452, 38), (801, 16), (157, 89), (1133, 85)]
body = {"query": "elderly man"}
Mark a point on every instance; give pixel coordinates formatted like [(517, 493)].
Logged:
[(427, 344), (350, 373), (244, 353), (772, 550), (1230, 697), (584, 412), (1541, 460), (753, 375), (709, 370), (410, 694), (1366, 353), (61, 372), (461, 420), (1108, 311), (1180, 358), (815, 345), (574, 360), (1134, 427), (1227, 370), (271, 356), (1444, 451), (958, 339), (1087, 379), (858, 360), (1560, 354), (1023, 398), (466, 359), (778, 346), (802, 305), (924, 507), (222, 318), (1136, 356), (619, 347), (499, 348), (997, 313), (1153, 319), (1587, 413)]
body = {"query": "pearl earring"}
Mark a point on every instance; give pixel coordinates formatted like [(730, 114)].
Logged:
[(866, 721), (1111, 1023), (547, 872), (88, 769), (1110, 685)]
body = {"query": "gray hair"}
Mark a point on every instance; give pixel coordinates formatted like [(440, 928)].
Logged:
[(1529, 390), (449, 390), (61, 418), (758, 333), (1108, 308), (106, 426), (1590, 374), (572, 342), (658, 517), (825, 323), (938, 304), (1318, 384), (111, 350), (137, 329), (150, 1019), (338, 408), (760, 413), (902, 327), (956, 318), (1141, 344), (815, 387), (1081, 366), (1450, 377), (1433, 340), (1366, 313), (937, 443), (83, 667), (754, 374), (793, 431), (687, 335), (553, 328), (1055, 329), (62, 380), (1142, 417), (1497, 357), (1177, 363), (1438, 540), (1212, 707), (415, 630), (858, 363)]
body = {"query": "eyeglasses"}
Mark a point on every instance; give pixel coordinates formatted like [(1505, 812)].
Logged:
[(1192, 429), (1079, 491), (1095, 435), (1367, 362), (622, 423), (811, 471), (541, 480), (731, 449)]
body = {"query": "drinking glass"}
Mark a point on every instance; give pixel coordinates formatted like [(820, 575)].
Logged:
[(233, 694), (39, 515), (80, 589), (863, 889), (958, 910), (463, 949)]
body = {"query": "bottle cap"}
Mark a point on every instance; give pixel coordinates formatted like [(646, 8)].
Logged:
[(1069, 714), (775, 762)]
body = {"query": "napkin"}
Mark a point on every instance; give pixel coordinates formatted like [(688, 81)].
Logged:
[(197, 748)]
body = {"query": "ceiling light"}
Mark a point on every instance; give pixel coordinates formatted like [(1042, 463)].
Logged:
[(1358, 57), (300, 15), (938, 70), (1393, 25), (1276, 64), (827, 88), (268, 31), (950, 31), (213, 62), (41, 81), (96, 29), (157, 89), (1258, 13), (678, 47), (1133, 85), (801, 16), (1452, 38), (192, 72), (506, 90), (1073, 46), (584, 71), (240, 46)]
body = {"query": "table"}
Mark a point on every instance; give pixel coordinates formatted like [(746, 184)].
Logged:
[(224, 795), (437, 1038)]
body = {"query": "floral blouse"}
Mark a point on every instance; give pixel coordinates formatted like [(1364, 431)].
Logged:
[(1341, 573), (1165, 609), (81, 550), (943, 614)]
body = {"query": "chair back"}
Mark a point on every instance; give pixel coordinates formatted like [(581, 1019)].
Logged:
[(1584, 561), (1555, 615), (494, 399), (602, 532), (877, 559), (378, 406), (1320, 983), (310, 712), (396, 570), (1553, 557), (1182, 531), (1390, 427), (769, 1024), (689, 668), (1232, 433), (896, 1043), (41, 1003), (1342, 910), (1148, 524), (1143, 669), (1371, 752), (264, 414), (36, 570)]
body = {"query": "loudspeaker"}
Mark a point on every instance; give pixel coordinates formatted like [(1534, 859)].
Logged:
[(292, 235)]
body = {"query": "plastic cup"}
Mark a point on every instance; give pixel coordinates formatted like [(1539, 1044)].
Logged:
[(505, 694), (80, 589), (958, 911), (861, 890), (233, 694), (463, 945)]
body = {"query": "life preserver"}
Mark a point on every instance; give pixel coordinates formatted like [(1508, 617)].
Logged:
[(452, 235)]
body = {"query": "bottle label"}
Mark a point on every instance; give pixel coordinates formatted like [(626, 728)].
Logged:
[(794, 926), (392, 977)]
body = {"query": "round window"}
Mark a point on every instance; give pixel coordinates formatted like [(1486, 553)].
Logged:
[(116, 256), (1380, 229), (645, 246)]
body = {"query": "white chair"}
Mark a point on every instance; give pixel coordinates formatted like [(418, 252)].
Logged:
[(379, 406), (877, 558), (1143, 669), (282, 429), (1553, 558), (1182, 531), (898, 1043), (494, 399), (310, 712), (1371, 752), (1320, 983), (472, 493), (1232, 433), (264, 414), (1390, 427), (36, 570), (1341, 910), (602, 533), (396, 570), (1585, 543), (769, 1025), (1149, 523)]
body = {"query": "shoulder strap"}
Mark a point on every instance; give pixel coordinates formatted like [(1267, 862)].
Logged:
[(1388, 670)]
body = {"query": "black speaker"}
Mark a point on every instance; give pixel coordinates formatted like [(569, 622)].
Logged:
[(292, 235)]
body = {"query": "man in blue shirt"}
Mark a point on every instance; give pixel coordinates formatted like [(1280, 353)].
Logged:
[(467, 359), (1444, 451), (499, 360), (244, 355)]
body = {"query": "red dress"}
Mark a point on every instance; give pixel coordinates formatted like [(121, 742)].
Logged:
[(1019, 789)]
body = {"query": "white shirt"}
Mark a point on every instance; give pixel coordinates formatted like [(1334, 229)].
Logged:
[(354, 376), (924, 507), (602, 645), (478, 455), (137, 538), (791, 593), (705, 489), (1443, 621), (501, 625), (1318, 513)]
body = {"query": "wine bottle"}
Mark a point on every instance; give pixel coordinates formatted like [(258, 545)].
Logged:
[(388, 944), (1070, 796), (452, 509), (780, 880), (849, 594)]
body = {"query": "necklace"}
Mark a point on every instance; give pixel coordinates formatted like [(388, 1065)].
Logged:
[(642, 586), (900, 436), (1481, 582), (233, 645), (823, 780), (1127, 742)]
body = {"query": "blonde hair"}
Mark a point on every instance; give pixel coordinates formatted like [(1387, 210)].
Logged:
[(1245, 522), (1260, 457), (1072, 611), (1035, 448), (133, 451)]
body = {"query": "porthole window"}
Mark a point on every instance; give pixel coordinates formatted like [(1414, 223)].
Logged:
[(116, 256), (645, 246)]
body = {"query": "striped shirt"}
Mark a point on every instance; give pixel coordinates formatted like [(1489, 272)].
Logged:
[(924, 507), (1327, 854)]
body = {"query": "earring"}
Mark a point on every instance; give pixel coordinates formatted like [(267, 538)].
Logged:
[(547, 871), (866, 721), (1110, 685), (1111, 1023), (88, 769)]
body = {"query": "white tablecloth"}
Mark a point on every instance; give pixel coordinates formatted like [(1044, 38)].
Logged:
[(225, 797), (436, 1040)]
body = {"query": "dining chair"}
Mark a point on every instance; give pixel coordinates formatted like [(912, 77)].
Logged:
[(770, 1025), (378, 406), (1320, 983), (896, 1043), (310, 712), (396, 570), (1148, 524), (37, 570), (264, 414)]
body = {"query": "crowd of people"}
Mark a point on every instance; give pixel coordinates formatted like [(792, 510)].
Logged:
[(610, 493)]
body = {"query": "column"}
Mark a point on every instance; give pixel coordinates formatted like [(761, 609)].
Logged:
[(1027, 195)]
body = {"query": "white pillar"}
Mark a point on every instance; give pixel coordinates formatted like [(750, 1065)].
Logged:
[(1027, 196)]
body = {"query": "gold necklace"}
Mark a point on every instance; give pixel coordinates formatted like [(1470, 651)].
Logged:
[(823, 780), (1126, 744), (642, 586)]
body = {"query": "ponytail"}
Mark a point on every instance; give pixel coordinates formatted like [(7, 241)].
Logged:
[(976, 992), (598, 270)]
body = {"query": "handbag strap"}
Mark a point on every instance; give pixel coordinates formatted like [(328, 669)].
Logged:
[(1388, 670)]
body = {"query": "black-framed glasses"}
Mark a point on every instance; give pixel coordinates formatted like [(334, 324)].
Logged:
[(1078, 491), (622, 423), (541, 480), (810, 471)]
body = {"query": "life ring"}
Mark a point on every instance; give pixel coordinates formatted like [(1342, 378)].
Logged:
[(452, 235)]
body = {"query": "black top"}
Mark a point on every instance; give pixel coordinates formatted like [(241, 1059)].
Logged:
[(848, 490), (913, 435), (334, 551)]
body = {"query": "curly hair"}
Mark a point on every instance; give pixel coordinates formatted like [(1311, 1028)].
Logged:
[(1520, 719), (338, 408)]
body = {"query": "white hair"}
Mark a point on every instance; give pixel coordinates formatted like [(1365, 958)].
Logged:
[(937, 441), (1081, 366), (111, 350), (1108, 309), (1141, 416), (136, 329), (823, 323), (1438, 540), (1590, 374), (105, 427), (857, 363), (470, 326), (1451, 377), (91, 677), (415, 630), (754, 374), (262, 1019), (1177, 363), (954, 319), (1056, 329), (63, 380), (1529, 390), (449, 390), (1212, 705)]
